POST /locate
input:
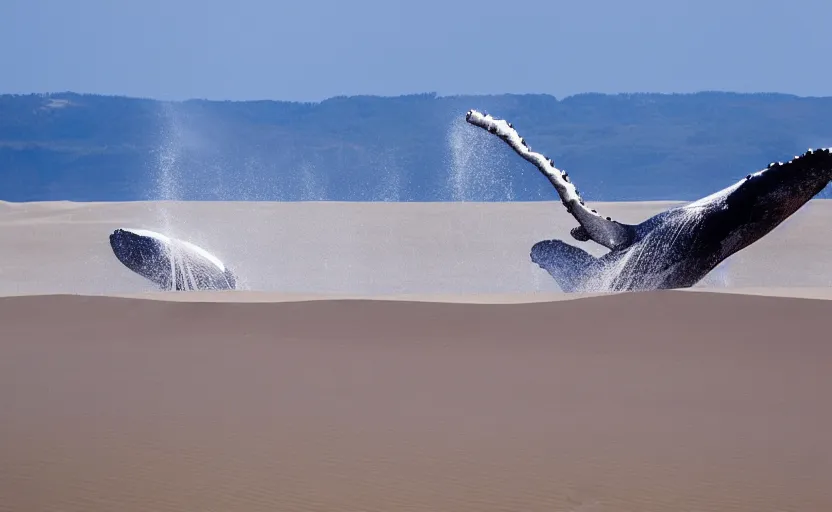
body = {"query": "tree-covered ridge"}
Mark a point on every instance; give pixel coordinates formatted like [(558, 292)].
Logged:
[(616, 147)]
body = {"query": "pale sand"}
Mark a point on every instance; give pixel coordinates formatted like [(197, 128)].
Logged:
[(361, 249), (661, 401), (279, 398)]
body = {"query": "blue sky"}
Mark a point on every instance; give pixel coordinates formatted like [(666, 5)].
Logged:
[(309, 50)]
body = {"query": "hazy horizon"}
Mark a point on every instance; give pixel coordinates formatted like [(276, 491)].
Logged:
[(309, 51), (417, 93)]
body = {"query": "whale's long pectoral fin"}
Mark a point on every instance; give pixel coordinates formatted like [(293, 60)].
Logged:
[(568, 265), (605, 231)]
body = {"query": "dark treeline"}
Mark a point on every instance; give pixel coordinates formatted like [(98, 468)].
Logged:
[(410, 148)]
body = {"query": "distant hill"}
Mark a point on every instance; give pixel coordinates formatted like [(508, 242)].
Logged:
[(411, 148)]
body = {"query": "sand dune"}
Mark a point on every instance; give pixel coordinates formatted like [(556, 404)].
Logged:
[(467, 383), (361, 249), (660, 401)]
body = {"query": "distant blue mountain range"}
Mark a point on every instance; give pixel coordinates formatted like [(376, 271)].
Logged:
[(410, 148)]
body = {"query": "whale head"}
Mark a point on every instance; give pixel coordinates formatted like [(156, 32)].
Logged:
[(145, 253), (782, 188), (168, 262), (741, 214)]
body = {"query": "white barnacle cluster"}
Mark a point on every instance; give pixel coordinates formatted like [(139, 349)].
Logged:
[(560, 179), (775, 165), (778, 164), (808, 152)]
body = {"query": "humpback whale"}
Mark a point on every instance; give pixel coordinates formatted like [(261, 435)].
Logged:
[(170, 263), (677, 247)]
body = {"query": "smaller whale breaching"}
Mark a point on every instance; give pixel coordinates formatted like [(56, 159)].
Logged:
[(170, 263), (678, 247)]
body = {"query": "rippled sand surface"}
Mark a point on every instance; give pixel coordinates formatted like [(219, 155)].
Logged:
[(665, 401)]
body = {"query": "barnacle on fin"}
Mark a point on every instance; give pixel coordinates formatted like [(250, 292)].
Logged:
[(570, 196)]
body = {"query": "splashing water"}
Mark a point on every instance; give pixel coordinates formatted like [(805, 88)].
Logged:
[(642, 266), (169, 187), (390, 185), (720, 277), (258, 182), (476, 161), (168, 155), (166, 176), (312, 189), (538, 278), (392, 190)]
